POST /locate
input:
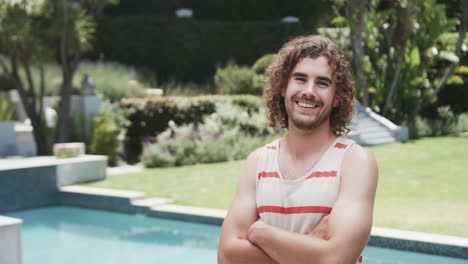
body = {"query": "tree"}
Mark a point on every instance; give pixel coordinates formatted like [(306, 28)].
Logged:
[(458, 52), (405, 52), (33, 32), (354, 11), (24, 46), (73, 29)]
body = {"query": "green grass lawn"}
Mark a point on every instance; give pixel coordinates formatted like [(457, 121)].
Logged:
[(423, 185)]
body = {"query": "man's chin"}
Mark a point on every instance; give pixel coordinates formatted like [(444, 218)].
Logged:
[(307, 124)]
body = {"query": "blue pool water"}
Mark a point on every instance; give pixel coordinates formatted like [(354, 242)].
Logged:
[(71, 235)]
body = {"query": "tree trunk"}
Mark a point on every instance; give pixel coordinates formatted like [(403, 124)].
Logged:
[(356, 32), (65, 101), (399, 41), (28, 100), (68, 70)]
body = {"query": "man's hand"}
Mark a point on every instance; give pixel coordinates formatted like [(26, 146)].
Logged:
[(256, 229), (321, 229), (259, 227)]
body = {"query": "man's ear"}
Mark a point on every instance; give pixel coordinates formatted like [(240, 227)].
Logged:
[(283, 92), (336, 101)]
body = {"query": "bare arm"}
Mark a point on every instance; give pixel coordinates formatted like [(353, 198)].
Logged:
[(233, 245), (349, 224)]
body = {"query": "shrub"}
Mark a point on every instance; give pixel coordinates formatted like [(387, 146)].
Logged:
[(151, 116), (174, 88), (113, 80), (155, 42), (153, 156), (462, 123), (228, 134), (108, 133), (445, 122), (421, 128), (232, 146), (262, 63), (233, 79), (7, 109)]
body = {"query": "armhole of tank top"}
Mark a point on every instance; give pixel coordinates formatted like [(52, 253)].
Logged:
[(260, 163), (349, 143)]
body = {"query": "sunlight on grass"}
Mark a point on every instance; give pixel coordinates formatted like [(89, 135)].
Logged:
[(422, 185)]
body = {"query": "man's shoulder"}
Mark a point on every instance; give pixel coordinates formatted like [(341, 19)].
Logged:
[(359, 160), (359, 154), (255, 155)]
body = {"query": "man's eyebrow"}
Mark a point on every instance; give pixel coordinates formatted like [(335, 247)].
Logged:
[(299, 74), (325, 79)]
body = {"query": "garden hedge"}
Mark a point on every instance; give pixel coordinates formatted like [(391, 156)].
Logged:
[(188, 49), (149, 117), (311, 13)]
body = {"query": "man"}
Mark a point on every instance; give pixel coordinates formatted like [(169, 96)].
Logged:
[(288, 186)]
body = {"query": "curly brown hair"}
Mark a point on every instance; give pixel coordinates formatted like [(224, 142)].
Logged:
[(278, 74)]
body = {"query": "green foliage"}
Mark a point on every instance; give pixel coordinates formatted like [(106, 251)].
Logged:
[(462, 123), (233, 79), (445, 123), (263, 62), (113, 80), (310, 13), (149, 117), (7, 110), (108, 133), (174, 88), (173, 48), (420, 31), (228, 134), (420, 128), (432, 170)]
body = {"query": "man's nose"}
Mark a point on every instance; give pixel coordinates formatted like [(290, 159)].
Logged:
[(310, 89)]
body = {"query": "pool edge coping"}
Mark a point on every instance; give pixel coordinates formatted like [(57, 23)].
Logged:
[(132, 202)]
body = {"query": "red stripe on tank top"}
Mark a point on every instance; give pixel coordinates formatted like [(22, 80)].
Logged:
[(271, 147), (319, 174), (268, 174), (341, 146), (294, 210)]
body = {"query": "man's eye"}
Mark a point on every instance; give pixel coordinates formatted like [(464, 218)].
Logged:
[(323, 83), (300, 79)]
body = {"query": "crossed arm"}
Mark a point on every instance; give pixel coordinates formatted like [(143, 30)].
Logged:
[(245, 239)]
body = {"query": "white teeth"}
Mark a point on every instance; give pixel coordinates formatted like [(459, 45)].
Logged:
[(306, 105)]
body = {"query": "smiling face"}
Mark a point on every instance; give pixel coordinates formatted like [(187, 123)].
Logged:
[(310, 94)]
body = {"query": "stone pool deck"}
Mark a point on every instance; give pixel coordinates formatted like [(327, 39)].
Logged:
[(27, 183)]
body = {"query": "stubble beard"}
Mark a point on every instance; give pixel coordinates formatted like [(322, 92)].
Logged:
[(306, 123)]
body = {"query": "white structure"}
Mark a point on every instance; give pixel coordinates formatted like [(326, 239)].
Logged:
[(369, 128), (184, 13), (10, 240), (290, 19)]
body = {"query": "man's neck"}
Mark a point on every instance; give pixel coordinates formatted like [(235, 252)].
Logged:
[(301, 143)]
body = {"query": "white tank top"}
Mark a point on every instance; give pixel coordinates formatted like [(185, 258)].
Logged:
[(298, 205)]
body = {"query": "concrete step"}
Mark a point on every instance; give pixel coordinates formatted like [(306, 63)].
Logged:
[(378, 141), (372, 129), (375, 136), (367, 122), (150, 202)]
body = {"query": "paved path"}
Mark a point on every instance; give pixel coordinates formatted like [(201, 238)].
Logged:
[(124, 169)]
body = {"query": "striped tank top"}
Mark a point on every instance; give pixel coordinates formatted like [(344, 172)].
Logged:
[(298, 205)]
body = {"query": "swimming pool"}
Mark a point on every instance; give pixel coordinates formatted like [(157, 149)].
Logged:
[(54, 235)]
